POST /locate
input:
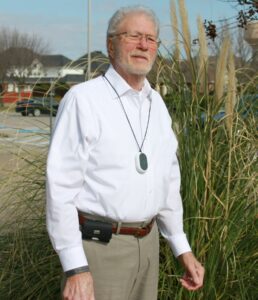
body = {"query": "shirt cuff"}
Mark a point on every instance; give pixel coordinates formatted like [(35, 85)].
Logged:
[(72, 258), (179, 244)]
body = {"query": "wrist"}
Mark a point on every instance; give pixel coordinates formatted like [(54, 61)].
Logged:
[(184, 257)]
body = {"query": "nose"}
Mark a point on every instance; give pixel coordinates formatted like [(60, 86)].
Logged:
[(143, 44)]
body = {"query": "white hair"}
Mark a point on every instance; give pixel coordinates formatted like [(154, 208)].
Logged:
[(120, 14)]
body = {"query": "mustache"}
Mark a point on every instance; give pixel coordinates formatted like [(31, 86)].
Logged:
[(141, 54)]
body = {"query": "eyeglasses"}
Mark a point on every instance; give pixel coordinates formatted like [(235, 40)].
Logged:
[(136, 37)]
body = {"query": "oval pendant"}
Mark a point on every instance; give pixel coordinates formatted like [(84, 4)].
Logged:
[(141, 162)]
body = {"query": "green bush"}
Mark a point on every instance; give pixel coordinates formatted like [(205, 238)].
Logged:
[(219, 191)]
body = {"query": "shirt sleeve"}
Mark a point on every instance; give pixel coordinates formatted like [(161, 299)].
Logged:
[(67, 160), (170, 217)]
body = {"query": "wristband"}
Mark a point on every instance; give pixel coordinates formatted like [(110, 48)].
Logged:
[(77, 271)]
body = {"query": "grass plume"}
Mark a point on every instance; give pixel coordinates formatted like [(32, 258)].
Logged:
[(231, 94), (221, 69), (175, 30), (185, 29)]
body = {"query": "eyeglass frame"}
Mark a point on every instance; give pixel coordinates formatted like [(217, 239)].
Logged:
[(153, 41)]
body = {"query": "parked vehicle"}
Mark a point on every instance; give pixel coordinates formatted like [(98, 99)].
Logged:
[(36, 106), (246, 107)]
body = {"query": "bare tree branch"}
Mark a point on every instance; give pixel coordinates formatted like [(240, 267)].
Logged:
[(17, 52)]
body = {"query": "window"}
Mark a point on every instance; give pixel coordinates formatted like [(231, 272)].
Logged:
[(10, 87)]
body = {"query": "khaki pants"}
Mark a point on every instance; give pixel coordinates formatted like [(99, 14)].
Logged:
[(126, 268)]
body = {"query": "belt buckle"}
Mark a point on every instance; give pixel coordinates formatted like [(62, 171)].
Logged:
[(146, 226), (137, 233), (138, 230)]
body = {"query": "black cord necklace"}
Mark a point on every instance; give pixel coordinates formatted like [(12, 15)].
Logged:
[(141, 160)]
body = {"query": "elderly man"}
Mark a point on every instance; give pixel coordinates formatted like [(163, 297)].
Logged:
[(113, 177)]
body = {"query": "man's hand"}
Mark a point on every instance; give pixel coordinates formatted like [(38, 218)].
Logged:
[(79, 287), (194, 272)]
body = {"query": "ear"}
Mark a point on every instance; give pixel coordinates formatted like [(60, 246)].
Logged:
[(110, 48)]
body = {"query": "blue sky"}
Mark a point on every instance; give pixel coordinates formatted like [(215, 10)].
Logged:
[(63, 23)]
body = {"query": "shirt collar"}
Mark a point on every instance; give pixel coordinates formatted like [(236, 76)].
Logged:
[(122, 87)]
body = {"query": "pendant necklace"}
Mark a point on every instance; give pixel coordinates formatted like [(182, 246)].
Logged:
[(141, 161)]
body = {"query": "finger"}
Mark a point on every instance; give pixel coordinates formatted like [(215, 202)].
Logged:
[(189, 285), (195, 277), (190, 282), (200, 273), (197, 274), (192, 277)]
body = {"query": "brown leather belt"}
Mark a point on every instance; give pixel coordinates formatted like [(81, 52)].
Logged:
[(125, 228)]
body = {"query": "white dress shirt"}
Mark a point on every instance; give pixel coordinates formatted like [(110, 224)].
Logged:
[(91, 165)]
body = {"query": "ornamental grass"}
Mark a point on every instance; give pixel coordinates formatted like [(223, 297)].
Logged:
[(218, 161)]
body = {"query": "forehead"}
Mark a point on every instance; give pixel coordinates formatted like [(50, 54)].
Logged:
[(139, 22)]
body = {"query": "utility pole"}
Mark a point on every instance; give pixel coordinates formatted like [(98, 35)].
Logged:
[(89, 40), (52, 94)]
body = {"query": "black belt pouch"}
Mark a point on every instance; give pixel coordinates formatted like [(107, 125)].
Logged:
[(96, 230)]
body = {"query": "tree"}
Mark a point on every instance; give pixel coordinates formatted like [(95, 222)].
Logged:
[(247, 12), (241, 48), (17, 53)]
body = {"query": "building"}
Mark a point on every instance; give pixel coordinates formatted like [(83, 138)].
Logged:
[(46, 70)]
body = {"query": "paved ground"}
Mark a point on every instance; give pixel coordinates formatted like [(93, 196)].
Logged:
[(18, 133), (14, 124)]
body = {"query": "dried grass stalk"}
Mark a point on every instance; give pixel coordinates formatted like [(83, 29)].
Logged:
[(203, 56), (185, 29), (175, 30), (231, 94), (221, 69)]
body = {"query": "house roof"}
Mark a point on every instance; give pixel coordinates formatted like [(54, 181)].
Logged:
[(94, 56), (99, 62), (56, 60), (73, 78)]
